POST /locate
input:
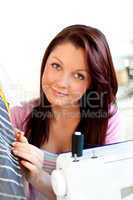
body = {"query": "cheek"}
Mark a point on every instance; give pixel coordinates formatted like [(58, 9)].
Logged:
[(47, 77), (83, 86), (79, 90)]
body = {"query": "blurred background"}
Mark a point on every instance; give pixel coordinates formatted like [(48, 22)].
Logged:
[(27, 27)]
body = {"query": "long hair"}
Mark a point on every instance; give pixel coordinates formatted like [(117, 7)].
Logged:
[(95, 104)]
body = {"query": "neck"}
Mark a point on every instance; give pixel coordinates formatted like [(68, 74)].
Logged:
[(67, 113), (62, 126)]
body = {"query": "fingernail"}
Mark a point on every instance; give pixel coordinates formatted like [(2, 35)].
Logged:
[(18, 135)]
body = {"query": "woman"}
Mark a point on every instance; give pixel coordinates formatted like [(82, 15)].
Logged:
[(77, 93)]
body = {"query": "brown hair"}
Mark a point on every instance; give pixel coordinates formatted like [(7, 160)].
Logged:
[(95, 112)]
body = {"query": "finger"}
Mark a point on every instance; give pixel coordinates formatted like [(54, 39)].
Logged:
[(23, 139), (22, 167), (22, 147), (28, 152), (29, 148), (29, 155), (23, 155), (20, 137), (24, 151), (18, 133), (28, 165)]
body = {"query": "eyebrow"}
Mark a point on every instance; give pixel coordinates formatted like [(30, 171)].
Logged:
[(86, 70), (58, 59), (82, 70)]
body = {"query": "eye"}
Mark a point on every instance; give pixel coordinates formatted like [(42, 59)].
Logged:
[(79, 76), (56, 66)]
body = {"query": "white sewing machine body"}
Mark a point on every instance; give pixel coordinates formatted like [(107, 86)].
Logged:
[(102, 173)]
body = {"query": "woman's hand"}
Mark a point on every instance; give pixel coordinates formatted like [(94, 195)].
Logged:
[(31, 162), (31, 157)]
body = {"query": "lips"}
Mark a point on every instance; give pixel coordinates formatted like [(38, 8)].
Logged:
[(59, 93)]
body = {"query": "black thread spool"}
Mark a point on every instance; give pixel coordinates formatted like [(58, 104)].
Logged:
[(77, 144)]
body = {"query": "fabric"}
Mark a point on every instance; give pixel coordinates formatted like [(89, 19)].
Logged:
[(11, 181), (4, 99), (19, 114), (49, 165)]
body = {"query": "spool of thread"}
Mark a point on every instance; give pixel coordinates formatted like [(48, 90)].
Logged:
[(77, 144)]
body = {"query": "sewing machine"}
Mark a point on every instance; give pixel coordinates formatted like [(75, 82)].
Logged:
[(101, 173)]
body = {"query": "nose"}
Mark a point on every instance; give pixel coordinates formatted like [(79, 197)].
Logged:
[(64, 81)]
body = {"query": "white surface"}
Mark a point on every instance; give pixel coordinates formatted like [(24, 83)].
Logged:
[(59, 188), (100, 178)]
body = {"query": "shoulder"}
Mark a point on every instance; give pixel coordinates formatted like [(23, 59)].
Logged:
[(113, 128), (20, 112)]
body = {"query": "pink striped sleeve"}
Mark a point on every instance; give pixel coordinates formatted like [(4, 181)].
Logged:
[(18, 115), (113, 130)]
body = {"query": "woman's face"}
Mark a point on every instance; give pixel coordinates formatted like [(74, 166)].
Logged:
[(66, 76)]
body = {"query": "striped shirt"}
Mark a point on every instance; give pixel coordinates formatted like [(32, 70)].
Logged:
[(11, 181)]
